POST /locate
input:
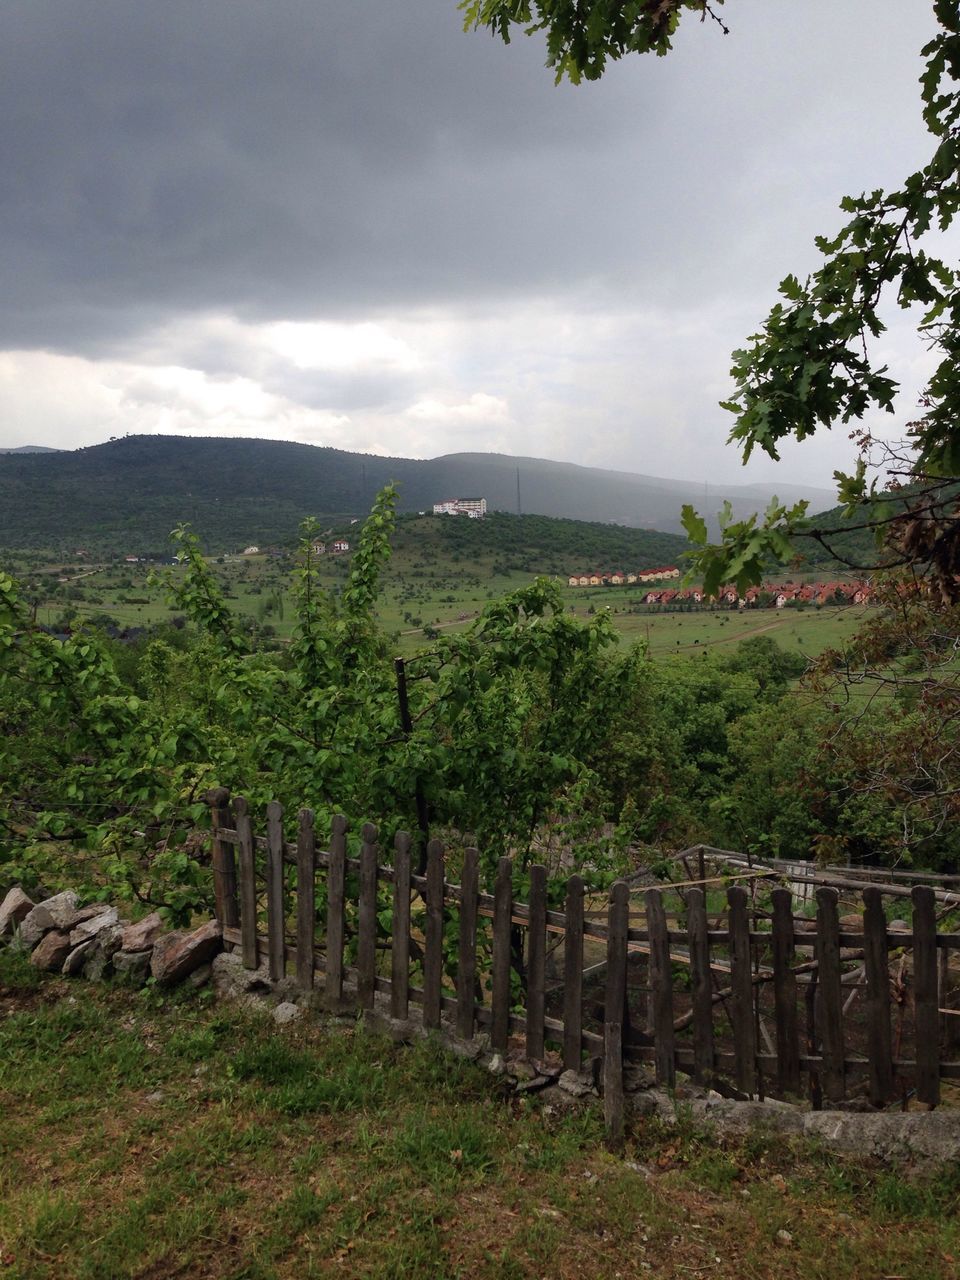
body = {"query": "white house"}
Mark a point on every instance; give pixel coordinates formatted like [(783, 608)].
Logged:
[(475, 508)]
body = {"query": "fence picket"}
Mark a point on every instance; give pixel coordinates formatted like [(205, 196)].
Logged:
[(433, 936), (926, 1009), (741, 984), (536, 961), (306, 899), (785, 992), (336, 886), (275, 906), (500, 977), (467, 948), (400, 928), (573, 975), (367, 918), (701, 986), (830, 993), (661, 990), (876, 965), (249, 947), (223, 860)]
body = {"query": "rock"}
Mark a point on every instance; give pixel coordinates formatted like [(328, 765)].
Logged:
[(51, 951), (62, 906), (534, 1085), (132, 967), (82, 914), (232, 981), (94, 925), (784, 1237), (98, 964), (175, 955), (199, 978), (285, 1013), (33, 926), (521, 1070), (496, 1065), (76, 959), (142, 935), (578, 1084), (14, 907)]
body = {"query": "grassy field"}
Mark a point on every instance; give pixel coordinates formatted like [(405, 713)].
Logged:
[(143, 1137), (423, 590)]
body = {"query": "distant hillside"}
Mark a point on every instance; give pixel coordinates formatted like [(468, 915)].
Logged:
[(30, 448), (540, 544), (131, 492)]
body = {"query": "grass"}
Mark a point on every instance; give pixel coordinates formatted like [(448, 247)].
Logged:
[(144, 1137), (424, 586)]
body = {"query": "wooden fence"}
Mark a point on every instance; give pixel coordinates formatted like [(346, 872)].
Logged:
[(762, 1000)]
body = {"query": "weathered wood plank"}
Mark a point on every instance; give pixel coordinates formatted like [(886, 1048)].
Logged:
[(830, 993), (336, 888), (500, 965), (741, 986), (661, 990), (248, 886), (876, 965), (306, 899), (467, 946), (701, 987), (926, 1008), (785, 992), (433, 936), (537, 961), (367, 918), (276, 912), (223, 860), (573, 975), (400, 940), (615, 991), (613, 1085)]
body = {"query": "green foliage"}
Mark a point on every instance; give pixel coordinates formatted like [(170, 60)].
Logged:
[(583, 34)]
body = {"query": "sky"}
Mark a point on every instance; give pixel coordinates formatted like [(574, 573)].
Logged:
[(350, 223)]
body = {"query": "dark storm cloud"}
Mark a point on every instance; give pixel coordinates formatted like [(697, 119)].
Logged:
[(275, 159), (294, 158)]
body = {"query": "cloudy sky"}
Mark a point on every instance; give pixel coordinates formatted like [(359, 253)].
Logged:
[(346, 222)]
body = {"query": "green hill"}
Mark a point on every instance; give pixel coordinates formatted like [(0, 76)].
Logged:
[(128, 494)]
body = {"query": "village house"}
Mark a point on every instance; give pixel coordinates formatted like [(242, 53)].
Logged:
[(339, 546)]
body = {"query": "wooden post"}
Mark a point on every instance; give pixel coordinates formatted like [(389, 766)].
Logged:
[(831, 993), (367, 918), (785, 993), (467, 949), (223, 860), (336, 885), (500, 976), (306, 899), (926, 1010), (573, 975), (741, 984), (876, 965), (537, 961), (275, 906), (661, 989), (248, 886), (618, 920), (433, 936), (400, 928), (613, 1085), (702, 987)]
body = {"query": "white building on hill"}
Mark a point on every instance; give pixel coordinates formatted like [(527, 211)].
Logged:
[(475, 508)]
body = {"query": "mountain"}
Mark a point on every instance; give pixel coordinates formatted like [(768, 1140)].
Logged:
[(31, 448), (130, 492)]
